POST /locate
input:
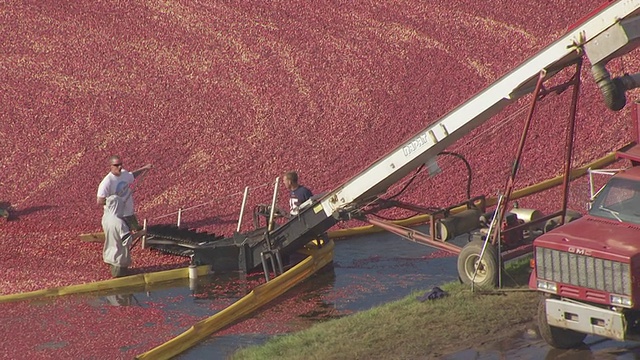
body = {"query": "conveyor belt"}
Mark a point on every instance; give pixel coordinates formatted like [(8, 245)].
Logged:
[(203, 248)]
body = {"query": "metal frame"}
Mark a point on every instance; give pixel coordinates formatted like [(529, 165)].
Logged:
[(502, 205)]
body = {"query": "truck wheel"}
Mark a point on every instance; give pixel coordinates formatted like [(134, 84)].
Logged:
[(468, 260), (557, 337)]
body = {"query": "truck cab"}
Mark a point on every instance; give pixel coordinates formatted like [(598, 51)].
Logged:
[(588, 271)]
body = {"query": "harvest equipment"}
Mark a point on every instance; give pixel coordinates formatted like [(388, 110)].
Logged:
[(608, 32)]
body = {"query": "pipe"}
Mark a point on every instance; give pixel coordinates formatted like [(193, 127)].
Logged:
[(614, 89), (193, 278), (273, 205), (144, 237), (570, 137), (414, 235), (458, 224)]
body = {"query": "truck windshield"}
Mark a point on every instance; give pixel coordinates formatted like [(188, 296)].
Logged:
[(619, 200)]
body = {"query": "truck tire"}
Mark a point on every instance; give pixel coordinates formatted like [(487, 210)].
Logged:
[(556, 337), (487, 274)]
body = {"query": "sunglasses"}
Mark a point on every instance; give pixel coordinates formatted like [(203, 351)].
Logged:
[(116, 164)]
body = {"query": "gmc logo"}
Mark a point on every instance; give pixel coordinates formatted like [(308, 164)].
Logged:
[(579, 251)]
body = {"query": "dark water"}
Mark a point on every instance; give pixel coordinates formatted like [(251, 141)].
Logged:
[(391, 268), (367, 271)]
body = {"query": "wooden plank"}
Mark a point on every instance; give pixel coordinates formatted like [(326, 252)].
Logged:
[(92, 237)]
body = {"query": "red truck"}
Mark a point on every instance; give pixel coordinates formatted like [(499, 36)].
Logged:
[(588, 270)]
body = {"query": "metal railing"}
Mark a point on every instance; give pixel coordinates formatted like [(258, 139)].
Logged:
[(179, 213), (269, 257), (182, 210)]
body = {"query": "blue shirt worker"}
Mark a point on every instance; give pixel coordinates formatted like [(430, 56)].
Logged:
[(298, 194)]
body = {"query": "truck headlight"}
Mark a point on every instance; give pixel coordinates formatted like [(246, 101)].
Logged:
[(620, 300), (548, 286)]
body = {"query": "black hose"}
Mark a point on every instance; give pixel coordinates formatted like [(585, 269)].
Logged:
[(466, 163), (407, 184), (459, 156), (613, 90)]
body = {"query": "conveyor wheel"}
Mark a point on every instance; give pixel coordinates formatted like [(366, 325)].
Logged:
[(487, 269)]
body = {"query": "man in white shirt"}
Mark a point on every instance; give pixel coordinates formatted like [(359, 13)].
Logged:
[(120, 182)]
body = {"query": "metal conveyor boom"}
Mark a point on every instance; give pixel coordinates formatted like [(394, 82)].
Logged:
[(428, 143)]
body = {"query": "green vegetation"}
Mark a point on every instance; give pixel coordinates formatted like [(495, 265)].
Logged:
[(409, 329)]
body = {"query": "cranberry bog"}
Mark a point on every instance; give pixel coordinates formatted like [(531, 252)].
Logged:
[(223, 95)]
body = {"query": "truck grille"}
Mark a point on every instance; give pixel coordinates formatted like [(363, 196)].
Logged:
[(584, 271)]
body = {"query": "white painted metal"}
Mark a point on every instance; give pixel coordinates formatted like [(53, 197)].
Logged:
[(592, 191), (586, 319), (273, 203), (435, 138), (244, 202)]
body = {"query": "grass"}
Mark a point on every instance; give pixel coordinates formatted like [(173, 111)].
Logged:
[(409, 329)]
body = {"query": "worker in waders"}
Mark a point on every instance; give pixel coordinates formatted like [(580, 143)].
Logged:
[(117, 236)]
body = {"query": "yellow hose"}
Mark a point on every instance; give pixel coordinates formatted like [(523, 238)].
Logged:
[(123, 282)]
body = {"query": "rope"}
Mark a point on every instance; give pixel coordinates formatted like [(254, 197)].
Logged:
[(209, 202), (493, 129)]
